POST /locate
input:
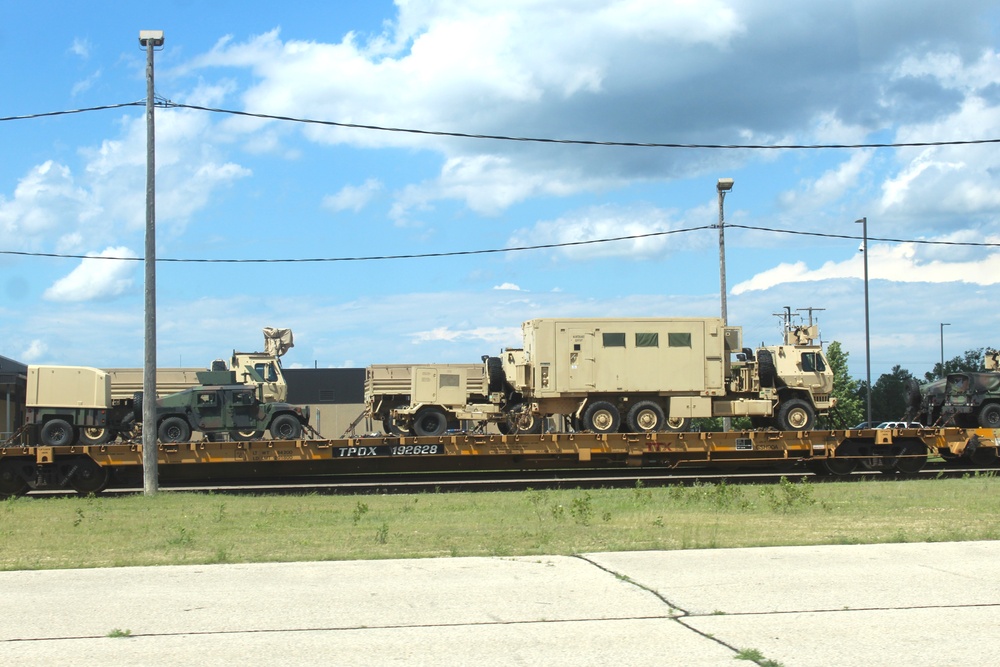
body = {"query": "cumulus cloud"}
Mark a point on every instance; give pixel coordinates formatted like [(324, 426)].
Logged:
[(96, 279), (900, 263), (507, 286)]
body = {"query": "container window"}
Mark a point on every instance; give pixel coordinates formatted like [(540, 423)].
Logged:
[(614, 340), (679, 340), (647, 340)]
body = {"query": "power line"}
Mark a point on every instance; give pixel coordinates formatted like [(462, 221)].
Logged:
[(578, 142), (487, 251), (72, 111), (167, 104)]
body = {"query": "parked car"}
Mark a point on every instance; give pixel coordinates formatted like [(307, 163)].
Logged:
[(900, 425)]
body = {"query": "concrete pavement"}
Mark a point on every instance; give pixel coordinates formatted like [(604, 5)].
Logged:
[(913, 604)]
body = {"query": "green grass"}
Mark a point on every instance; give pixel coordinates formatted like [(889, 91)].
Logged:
[(186, 528)]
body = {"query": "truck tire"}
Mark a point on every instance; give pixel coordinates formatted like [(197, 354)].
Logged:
[(94, 435), (496, 375), (989, 416), (518, 420), (645, 417), (245, 436), (602, 417), (430, 421), (57, 433), (174, 429), (795, 415), (286, 427), (137, 406), (765, 368)]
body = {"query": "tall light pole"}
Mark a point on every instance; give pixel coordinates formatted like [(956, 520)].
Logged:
[(722, 187), (943, 325), (150, 40), (868, 340)]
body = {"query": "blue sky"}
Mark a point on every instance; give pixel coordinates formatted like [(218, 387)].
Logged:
[(649, 71)]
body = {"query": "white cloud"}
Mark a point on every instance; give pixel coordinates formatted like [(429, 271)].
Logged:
[(353, 197), (899, 263), (80, 47), (95, 279), (507, 286), (36, 350), (604, 222)]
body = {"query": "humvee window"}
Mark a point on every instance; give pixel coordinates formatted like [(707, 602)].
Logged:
[(243, 398), (679, 340), (614, 340), (647, 340), (206, 399)]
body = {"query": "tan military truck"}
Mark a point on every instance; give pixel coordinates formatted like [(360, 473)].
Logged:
[(656, 374), (427, 399)]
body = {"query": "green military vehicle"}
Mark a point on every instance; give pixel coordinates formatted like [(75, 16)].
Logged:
[(219, 407), (966, 400)]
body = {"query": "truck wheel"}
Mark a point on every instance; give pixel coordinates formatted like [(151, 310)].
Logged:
[(645, 417), (795, 415), (57, 433), (286, 427), (94, 435), (989, 416), (765, 368), (495, 374), (430, 421), (519, 420), (244, 436), (174, 429), (677, 424), (602, 417)]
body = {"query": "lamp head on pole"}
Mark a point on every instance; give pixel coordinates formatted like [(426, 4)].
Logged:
[(724, 185), (147, 37)]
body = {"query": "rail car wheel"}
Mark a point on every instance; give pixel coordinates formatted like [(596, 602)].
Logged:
[(795, 415), (602, 417), (57, 433), (912, 457), (839, 467), (174, 429), (430, 421), (519, 420), (645, 417), (989, 416), (286, 427), (88, 477), (12, 482), (94, 435)]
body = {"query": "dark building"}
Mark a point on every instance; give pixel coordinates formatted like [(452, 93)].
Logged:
[(13, 386)]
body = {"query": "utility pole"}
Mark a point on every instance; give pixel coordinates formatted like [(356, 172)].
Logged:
[(150, 39), (723, 186)]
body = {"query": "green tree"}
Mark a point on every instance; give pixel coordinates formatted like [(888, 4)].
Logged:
[(971, 362), (889, 395), (850, 408)]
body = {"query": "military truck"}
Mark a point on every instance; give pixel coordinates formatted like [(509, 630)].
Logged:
[(656, 374), (966, 400), (427, 399), (220, 406)]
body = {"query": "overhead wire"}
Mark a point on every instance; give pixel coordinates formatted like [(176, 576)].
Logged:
[(487, 251)]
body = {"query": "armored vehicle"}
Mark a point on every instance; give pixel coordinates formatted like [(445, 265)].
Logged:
[(966, 400)]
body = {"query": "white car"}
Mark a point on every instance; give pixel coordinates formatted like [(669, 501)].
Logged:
[(900, 425)]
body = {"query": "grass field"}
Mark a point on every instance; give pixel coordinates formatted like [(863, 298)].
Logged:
[(189, 528)]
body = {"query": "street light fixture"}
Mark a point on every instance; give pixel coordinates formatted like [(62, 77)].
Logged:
[(868, 347), (943, 325), (722, 187), (149, 40)]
